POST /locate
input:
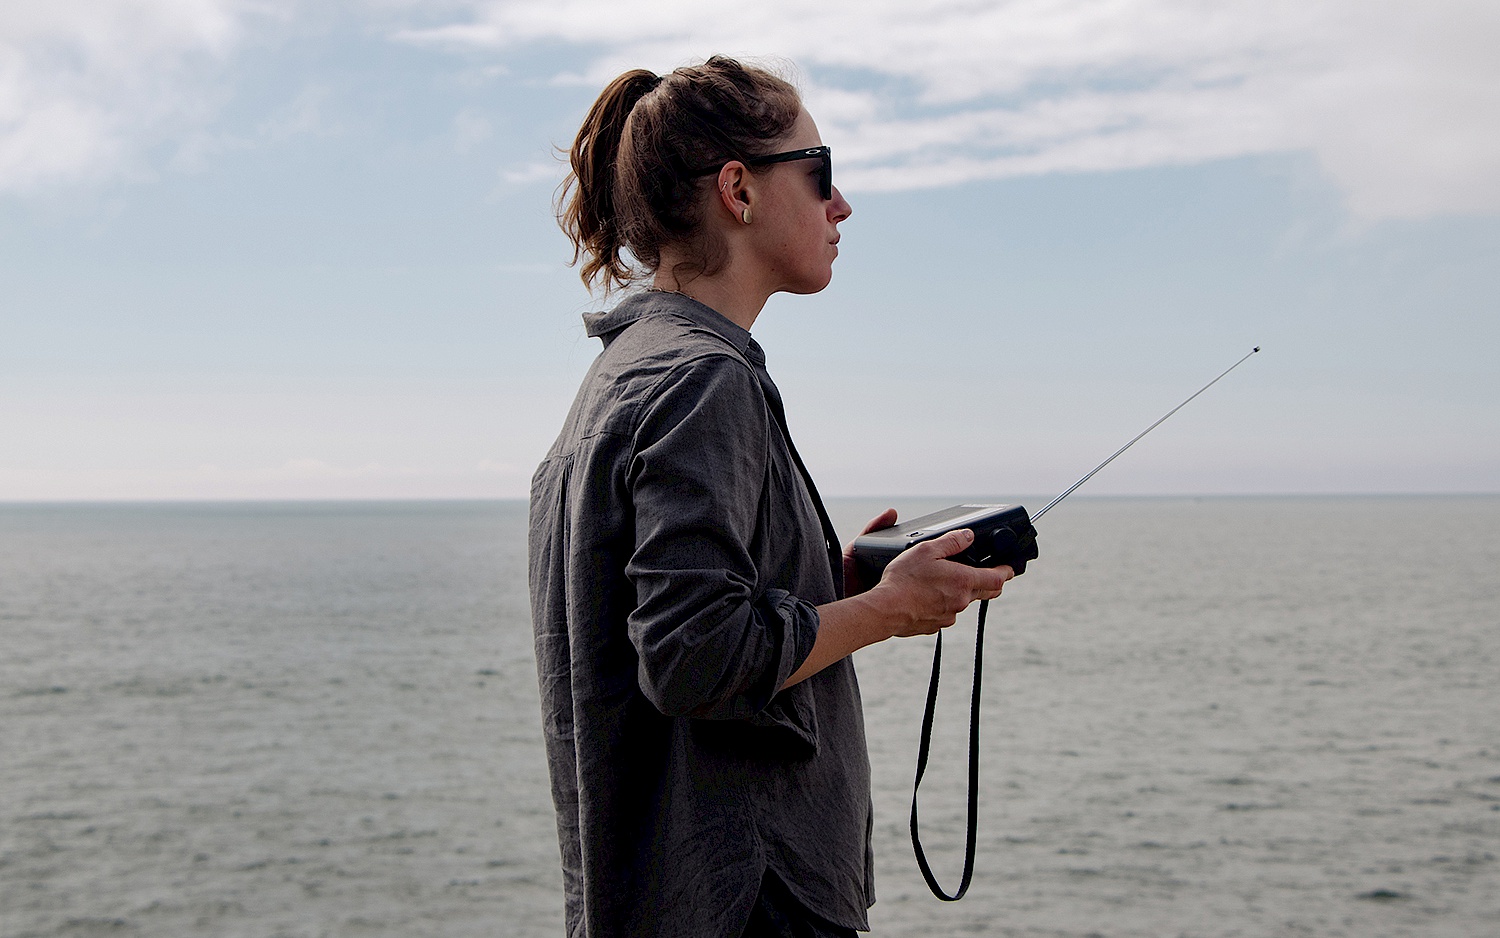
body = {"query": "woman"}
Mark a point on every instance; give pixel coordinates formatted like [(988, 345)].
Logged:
[(693, 613)]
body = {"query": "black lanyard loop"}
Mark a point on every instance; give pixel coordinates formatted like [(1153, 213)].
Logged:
[(932, 693)]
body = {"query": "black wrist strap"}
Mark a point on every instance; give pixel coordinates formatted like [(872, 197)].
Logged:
[(932, 693)]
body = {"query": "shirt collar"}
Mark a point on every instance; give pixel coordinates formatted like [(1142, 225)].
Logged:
[(657, 303)]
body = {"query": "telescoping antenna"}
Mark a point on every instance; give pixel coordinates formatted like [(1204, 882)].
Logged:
[(1138, 436), (935, 526)]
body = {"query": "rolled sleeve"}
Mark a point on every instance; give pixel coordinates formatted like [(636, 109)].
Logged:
[(712, 640)]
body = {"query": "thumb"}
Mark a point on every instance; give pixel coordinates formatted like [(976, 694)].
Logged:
[(950, 543), (881, 521)]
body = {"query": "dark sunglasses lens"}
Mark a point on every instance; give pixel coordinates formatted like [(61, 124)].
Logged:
[(825, 179)]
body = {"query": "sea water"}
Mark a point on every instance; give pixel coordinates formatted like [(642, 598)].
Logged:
[(1201, 717)]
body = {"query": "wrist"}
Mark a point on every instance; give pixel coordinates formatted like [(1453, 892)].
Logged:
[(879, 613)]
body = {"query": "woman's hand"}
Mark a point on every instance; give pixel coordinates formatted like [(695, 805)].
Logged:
[(853, 583), (921, 591)]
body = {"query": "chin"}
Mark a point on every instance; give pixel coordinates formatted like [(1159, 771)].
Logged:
[(814, 283)]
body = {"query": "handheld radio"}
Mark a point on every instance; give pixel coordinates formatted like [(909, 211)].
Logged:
[(1003, 535)]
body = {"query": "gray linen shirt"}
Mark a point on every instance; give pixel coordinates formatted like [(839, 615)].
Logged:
[(676, 557)]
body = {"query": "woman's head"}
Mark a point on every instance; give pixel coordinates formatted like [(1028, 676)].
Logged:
[(648, 153)]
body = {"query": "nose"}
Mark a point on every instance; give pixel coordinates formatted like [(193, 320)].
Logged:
[(839, 207)]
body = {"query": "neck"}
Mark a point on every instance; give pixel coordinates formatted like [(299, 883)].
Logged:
[(722, 292)]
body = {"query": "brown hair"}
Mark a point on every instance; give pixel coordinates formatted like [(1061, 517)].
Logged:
[(646, 150)]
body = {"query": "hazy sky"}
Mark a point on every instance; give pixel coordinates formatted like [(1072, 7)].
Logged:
[(292, 249)]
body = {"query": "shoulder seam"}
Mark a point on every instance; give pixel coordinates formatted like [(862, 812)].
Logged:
[(651, 394)]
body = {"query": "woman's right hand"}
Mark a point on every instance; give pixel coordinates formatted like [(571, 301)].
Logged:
[(921, 591)]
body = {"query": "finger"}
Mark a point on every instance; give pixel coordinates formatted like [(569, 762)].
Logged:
[(995, 578), (938, 624), (989, 582), (881, 521)]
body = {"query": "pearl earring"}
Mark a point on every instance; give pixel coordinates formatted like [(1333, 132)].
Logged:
[(745, 216)]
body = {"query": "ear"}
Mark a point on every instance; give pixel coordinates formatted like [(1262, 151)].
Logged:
[(734, 188)]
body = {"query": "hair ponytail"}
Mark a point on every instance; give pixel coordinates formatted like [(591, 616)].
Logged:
[(588, 194), (639, 160)]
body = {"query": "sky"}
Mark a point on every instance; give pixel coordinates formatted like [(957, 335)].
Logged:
[(264, 249)]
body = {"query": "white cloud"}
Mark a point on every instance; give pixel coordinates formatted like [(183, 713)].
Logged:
[(1399, 101), (537, 171), (85, 83)]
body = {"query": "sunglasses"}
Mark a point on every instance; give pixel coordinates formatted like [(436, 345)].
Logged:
[(825, 172)]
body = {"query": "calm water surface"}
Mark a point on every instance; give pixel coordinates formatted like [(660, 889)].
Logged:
[(1217, 717)]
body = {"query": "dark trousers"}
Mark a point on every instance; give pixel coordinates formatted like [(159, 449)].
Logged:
[(778, 915)]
